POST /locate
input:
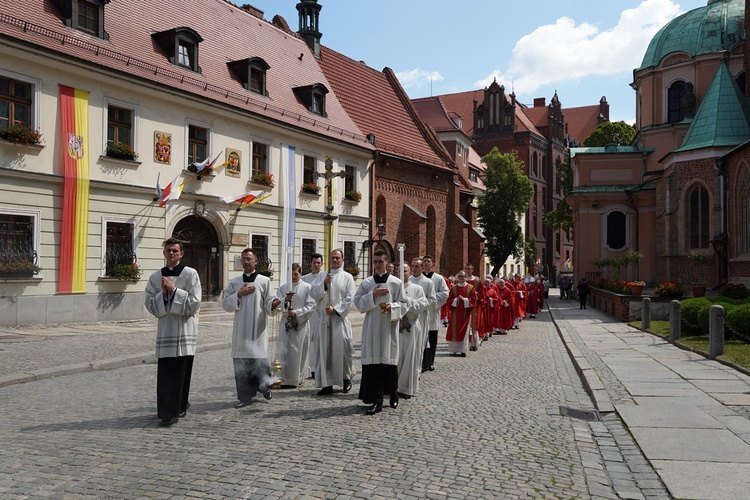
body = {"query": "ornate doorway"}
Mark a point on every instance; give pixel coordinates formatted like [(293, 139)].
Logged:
[(202, 252)]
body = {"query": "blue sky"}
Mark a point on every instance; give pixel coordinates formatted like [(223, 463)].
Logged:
[(583, 49)]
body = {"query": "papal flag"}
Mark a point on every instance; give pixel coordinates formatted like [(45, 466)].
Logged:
[(245, 199), (74, 128), (172, 191)]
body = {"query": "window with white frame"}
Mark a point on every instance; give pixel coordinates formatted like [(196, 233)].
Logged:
[(120, 128), (260, 158), (17, 101), (309, 247), (350, 254), (308, 169), (350, 183), (119, 244), (197, 143), (19, 239), (261, 244)]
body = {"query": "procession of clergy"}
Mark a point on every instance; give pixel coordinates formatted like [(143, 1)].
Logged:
[(399, 333)]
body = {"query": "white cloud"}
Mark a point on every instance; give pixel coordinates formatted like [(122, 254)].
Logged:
[(565, 51), (417, 78)]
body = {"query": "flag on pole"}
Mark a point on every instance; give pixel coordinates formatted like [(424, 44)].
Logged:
[(245, 199), (158, 188), (75, 201), (172, 191)]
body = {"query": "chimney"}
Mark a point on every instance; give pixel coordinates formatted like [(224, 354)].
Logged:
[(540, 102)]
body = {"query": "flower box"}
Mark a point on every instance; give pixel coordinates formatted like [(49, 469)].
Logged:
[(310, 188), (18, 134), (18, 269), (263, 179), (353, 196), (121, 152), (127, 272)]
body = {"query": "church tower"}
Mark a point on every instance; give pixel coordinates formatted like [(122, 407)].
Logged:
[(309, 13)]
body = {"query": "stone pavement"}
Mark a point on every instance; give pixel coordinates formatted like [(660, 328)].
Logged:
[(512, 421)]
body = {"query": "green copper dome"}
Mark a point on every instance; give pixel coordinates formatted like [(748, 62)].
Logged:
[(714, 28)]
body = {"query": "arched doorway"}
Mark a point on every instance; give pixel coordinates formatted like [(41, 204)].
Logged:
[(202, 252)]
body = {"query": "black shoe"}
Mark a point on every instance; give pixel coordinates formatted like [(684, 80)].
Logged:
[(183, 414), (463, 354), (394, 401), (375, 408), (267, 394), (403, 396), (312, 375), (347, 386), (168, 422), (432, 368), (243, 404), (325, 391)]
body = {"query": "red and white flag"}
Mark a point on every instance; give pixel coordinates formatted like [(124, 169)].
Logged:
[(172, 191), (246, 199)]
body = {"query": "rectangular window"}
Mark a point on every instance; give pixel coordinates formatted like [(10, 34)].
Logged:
[(260, 158), (88, 17), (256, 80), (15, 103), (308, 169), (17, 238), (318, 104), (197, 144), (119, 126), (119, 245), (349, 180), (185, 54), (308, 249), (260, 244), (350, 254)]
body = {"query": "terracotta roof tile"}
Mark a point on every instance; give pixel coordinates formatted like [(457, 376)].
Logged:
[(229, 33), (379, 106), (581, 121)]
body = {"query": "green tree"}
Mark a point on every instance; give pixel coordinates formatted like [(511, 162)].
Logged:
[(506, 199), (619, 133), (561, 218)]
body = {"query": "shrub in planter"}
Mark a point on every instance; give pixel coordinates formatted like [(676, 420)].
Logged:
[(669, 289)]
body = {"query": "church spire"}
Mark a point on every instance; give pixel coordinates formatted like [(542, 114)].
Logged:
[(309, 13)]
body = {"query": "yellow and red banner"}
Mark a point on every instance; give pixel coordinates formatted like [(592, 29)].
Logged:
[(74, 128)]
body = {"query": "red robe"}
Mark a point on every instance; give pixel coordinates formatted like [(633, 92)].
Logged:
[(520, 302), (540, 294), (460, 315), (445, 309), (532, 299), (489, 323), (505, 313), (478, 311)]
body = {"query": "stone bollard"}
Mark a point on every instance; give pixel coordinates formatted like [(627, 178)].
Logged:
[(715, 331), (645, 314), (675, 320)]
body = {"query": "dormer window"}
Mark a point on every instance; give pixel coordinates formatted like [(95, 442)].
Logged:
[(251, 73), (313, 97), (84, 15), (181, 47)]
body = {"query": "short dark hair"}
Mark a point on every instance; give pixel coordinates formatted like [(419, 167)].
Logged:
[(172, 241), (381, 253), (249, 250), (316, 255), (296, 267), (427, 257)]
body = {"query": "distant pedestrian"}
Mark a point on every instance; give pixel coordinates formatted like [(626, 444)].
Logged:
[(565, 286), (583, 292), (173, 295)]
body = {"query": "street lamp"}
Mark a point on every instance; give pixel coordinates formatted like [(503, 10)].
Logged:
[(329, 216)]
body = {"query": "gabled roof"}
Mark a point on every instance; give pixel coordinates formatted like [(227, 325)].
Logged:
[(723, 118), (229, 33), (432, 111), (462, 103), (581, 121), (378, 105)]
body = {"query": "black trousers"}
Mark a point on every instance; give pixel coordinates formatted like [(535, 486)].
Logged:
[(173, 385), (251, 375), (376, 381), (428, 358)]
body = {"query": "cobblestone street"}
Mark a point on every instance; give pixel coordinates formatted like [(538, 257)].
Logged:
[(488, 425)]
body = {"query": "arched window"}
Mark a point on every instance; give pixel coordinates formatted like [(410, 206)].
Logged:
[(616, 230), (534, 162), (743, 211), (676, 111), (698, 218), (431, 231)]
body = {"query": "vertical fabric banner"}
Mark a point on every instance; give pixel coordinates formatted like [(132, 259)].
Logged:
[(290, 210), (74, 128)]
